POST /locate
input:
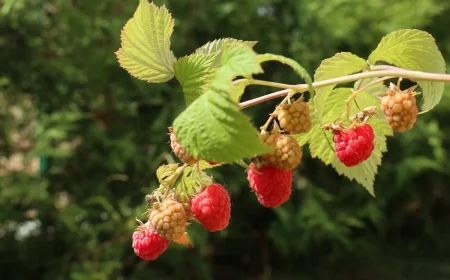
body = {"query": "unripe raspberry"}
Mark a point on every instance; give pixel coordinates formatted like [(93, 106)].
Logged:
[(184, 200), (399, 108), (287, 154), (147, 243), (212, 207), (354, 145), (272, 186), (181, 153), (294, 117), (168, 219)]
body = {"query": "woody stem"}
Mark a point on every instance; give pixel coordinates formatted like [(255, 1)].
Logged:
[(376, 72)]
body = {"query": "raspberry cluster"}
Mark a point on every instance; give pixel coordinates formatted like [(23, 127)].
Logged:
[(270, 175), (168, 219)]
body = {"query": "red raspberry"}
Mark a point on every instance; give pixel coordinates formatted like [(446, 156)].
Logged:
[(147, 243), (355, 145), (212, 207), (272, 186)]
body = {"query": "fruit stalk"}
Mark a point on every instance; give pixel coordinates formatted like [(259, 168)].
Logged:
[(353, 96)]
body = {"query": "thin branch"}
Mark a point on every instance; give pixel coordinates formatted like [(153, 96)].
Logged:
[(384, 67), (353, 96), (272, 116), (264, 98), (266, 83), (396, 72)]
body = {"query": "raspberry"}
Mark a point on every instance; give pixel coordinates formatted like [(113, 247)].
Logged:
[(294, 117), (272, 186), (287, 154), (212, 207), (399, 108), (355, 145), (181, 153), (184, 200), (168, 219), (147, 243)]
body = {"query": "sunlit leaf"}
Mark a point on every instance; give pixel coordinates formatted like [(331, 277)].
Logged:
[(194, 73), (145, 51), (415, 50)]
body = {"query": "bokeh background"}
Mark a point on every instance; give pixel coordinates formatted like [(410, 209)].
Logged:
[(80, 141)]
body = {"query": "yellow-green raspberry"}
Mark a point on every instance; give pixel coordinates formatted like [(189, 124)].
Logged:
[(399, 108), (287, 153), (294, 117), (168, 218)]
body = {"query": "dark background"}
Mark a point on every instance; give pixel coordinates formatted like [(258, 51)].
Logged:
[(66, 104)]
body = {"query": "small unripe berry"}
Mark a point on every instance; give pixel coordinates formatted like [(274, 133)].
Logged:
[(168, 219), (287, 153), (294, 117), (399, 108)]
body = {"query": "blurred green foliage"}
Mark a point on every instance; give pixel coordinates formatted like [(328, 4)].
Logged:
[(64, 100)]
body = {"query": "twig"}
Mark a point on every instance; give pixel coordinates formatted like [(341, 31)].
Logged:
[(266, 83), (352, 97), (264, 127), (392, 72)]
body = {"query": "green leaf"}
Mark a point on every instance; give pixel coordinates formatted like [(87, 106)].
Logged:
[(341, 64), (203, 164), (217, 46), (291, 63), (237, 89), (321, 143), (145, 51), (194, 73), (242, 164), (192, 181), (376, 89), (213, 128), (164, 173), (237, 59), (415, 50)]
